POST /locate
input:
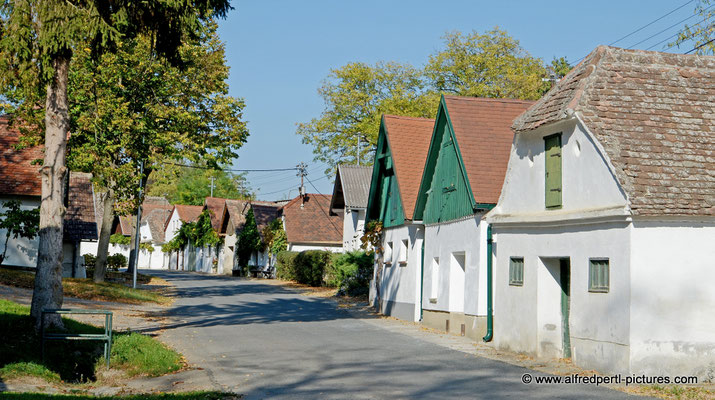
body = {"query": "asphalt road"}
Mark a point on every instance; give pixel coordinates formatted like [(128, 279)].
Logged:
[(266, 341)]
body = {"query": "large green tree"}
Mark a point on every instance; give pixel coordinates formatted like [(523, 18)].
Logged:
[(355, 97), (191, 185), (130, 106), (490, 64), (38, 39)]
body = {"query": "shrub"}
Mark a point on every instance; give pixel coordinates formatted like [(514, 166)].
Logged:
[(310, 266), (285, 266), (89, 259), (143, 355), (350, 272), (116, 261)]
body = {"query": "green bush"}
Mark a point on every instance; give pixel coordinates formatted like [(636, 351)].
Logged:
[(285, 266), (139, 354), (350, 272), (116, 261), (310, 266), (89, 260)]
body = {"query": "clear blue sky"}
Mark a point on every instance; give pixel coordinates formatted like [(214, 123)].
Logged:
[(280, 51)]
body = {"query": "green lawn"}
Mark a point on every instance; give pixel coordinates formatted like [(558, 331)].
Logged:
[(86, 288), (166, 396), (72, 361)]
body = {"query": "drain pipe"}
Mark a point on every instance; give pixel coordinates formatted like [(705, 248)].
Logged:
[(490, 312)]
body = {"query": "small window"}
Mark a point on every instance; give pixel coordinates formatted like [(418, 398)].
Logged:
[(516, 271), (388, 254), (598, 276), (404, 250)]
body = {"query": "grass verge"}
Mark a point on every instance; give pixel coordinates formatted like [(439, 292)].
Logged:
[(72, 361), (163, 396), (86, 288)]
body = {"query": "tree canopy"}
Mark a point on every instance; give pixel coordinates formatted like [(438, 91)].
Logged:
[(700, 35), (184, 185)]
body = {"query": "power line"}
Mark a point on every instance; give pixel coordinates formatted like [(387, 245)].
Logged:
[(668, 28), (676, 34), (697, 47), (650, 23), (321, 208), (234, 170), (645, 26)]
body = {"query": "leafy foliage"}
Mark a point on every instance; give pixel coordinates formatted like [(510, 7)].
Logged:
[(310, 266), (274, 237), (249, 240), (182, 185), (146, 246), (702, 33), (285, 265), (199, 233), (18, 223), (350, 272), (116, 261), (371, 238), (492, 64), (355, 96), (120, 239)]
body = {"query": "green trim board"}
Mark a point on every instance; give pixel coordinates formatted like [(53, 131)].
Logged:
[(385, 201), (445, 191)]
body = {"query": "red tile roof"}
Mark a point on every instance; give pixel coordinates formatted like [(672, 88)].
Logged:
[(235, 212), (264, 215), (188, 213), (216, 207), (484, 137), (312, 223), (17, 174), (653, 114), (409, 140)]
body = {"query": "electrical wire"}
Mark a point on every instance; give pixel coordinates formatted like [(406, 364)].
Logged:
[(650, 23), (699, 46), (676, 34), (235, 170), (321, 208), (668, 28)]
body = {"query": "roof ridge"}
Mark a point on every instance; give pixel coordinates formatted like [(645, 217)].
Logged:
[(405, 117), (489, 99)]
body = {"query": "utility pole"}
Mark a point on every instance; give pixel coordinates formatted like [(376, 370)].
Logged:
[(135, 257), (302, 172), (212, 186)]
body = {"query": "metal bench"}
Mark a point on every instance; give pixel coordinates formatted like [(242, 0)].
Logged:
[(265, 273), (106, 337)]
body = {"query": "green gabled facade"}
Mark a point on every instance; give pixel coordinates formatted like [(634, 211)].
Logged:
[(445, 193), (385, 201)]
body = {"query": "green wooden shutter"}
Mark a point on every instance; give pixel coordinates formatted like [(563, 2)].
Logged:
[(552, 145)]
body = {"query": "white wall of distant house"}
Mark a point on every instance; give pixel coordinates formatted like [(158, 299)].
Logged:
[(398, 272), (335, 248), (21, 252), (353, 228)]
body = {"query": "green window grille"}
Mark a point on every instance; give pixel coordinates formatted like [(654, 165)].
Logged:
[(598, 276), (516, 271)]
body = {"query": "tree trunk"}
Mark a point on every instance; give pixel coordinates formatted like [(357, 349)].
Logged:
[(48, 275), (100, 265)]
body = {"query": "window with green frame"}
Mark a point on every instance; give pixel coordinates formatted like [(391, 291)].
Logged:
[(552, 167), (598, 275), (516, 271)]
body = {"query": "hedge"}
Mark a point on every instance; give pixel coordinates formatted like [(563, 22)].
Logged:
[(350, 272)]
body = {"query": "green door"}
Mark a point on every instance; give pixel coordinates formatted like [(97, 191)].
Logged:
[(565, 274), (552, 146)]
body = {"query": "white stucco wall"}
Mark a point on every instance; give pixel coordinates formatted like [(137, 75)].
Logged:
[(673, 298), (173, 226), (337, 248), (528, 318), (21, 252), (448, 286), (587, 181), (400, 283), (353, 228)]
